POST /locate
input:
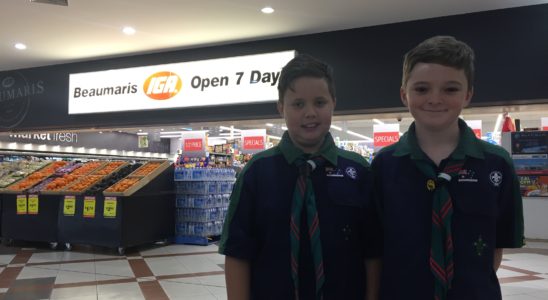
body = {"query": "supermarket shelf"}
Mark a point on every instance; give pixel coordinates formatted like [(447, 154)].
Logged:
[(219, 154)]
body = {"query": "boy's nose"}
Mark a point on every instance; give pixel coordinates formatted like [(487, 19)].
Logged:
[(309, 111), (435, 97)]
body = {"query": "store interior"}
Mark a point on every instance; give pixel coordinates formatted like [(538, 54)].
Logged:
[(351, 131)]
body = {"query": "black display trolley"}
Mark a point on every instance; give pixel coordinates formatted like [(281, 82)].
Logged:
[(30, 217), (143, 214), (27, 224)]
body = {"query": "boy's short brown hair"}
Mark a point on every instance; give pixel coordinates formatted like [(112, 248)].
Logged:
[(443, 50), (304, 65)]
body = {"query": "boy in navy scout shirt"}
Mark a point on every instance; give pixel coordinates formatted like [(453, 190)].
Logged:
[(299, 225), (449, 202)]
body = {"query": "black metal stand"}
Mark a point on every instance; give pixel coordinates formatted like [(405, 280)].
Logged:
[(40, 227), (146, 216)]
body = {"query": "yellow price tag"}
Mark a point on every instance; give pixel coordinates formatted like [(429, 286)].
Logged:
[(109, 210), (33, 204), (21, 204), (69, 206), (89, 207)]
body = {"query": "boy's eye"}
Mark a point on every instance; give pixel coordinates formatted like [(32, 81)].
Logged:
[(297, 104), (452, 89), (321, 102), (421, 89)]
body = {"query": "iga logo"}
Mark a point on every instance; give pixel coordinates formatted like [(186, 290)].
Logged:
[(162, 85)]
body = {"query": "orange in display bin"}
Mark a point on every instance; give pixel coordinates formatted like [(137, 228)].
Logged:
[(87, 168), (146, 169), (61, 182), (85, 183), (111, 166), (123, 184), (36, 177)]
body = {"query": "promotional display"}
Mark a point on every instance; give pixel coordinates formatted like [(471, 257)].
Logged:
[(530, 156), (224, 81), (385, 134), (202, 196), (193, 143), (253, 141)]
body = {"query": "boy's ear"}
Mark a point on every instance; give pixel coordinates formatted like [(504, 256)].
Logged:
[(280, 107), (403, 96), (468, 98), (334, 103)]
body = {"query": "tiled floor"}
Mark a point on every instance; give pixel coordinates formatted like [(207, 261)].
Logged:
[(185, 272)]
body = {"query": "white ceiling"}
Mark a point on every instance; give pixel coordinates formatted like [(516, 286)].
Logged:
[(91, 29)]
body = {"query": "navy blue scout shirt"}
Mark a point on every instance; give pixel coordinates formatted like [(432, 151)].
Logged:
[(257, 225), (487, 215)]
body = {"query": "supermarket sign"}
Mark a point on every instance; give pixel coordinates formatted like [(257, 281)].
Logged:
[(193, 143), (385, 134), (253, 140), (224, 81)]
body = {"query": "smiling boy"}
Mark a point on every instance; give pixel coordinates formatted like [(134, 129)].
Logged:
[(298, 225), (449, 202)]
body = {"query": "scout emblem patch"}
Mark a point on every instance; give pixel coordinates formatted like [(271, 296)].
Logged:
[(496, 178), (351, 172), (480, 245)]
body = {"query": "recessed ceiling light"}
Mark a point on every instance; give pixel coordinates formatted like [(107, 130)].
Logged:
[(20, 46), (129, 30), (267, 10)]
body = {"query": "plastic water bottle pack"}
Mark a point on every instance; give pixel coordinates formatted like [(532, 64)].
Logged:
[(204, 174)]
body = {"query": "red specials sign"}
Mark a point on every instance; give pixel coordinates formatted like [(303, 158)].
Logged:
[(254, 142), (382, 139), (193, 145)]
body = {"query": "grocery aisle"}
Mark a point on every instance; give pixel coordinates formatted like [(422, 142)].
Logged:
[(185, 272)]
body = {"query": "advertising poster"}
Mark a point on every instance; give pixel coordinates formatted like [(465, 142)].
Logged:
[(530, 156), (530, 142)]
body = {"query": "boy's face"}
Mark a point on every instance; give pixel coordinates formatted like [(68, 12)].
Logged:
[(307, 108), (435, 95)]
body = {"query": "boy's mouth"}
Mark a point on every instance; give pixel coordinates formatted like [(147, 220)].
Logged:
[(310, 126), (436, 111)]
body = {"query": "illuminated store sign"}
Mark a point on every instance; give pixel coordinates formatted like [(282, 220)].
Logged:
[(234, 80), (385, 134), (253, 140)]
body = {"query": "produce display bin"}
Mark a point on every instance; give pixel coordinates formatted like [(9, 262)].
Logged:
[(36, 223), (121, 220)]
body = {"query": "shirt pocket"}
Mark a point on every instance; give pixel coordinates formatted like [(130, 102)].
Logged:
[(475, 200), (346, 193), (346, 210)]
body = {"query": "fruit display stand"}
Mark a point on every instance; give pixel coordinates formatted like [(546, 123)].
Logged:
[(28, 216), (135, 210)]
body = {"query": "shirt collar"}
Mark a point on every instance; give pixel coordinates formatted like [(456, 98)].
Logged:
[(469, 145), (328, 150)]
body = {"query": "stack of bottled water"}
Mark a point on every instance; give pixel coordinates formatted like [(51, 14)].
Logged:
[(202, 202)]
